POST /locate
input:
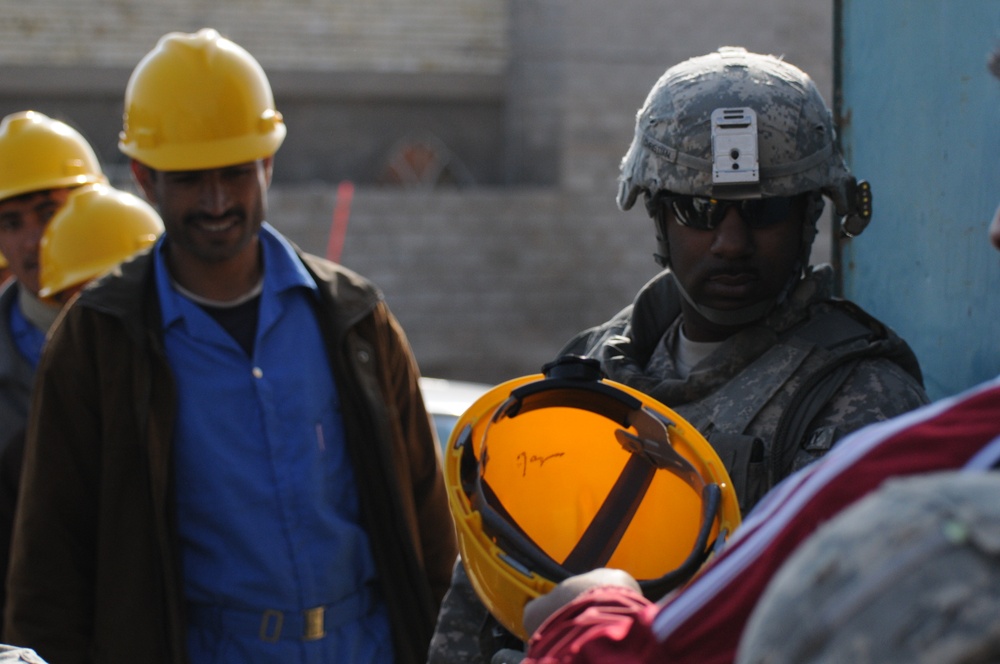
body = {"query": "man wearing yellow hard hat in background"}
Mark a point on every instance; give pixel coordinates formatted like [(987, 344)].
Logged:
[(97, 228), (41, 161), (228, 458)]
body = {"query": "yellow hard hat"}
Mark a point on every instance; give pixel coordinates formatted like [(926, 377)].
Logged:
[(39, 153), (199, 101), (556, 474), (96, 229)]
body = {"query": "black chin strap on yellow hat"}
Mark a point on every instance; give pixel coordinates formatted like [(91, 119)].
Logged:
[(555, 474), (574, 382)]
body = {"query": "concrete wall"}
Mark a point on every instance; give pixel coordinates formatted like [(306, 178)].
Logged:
[(488, 283), (316, 35), (353, 78)]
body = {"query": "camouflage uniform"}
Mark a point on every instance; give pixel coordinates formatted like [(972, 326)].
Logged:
[(744, 396), (741, 397), (909, 574)]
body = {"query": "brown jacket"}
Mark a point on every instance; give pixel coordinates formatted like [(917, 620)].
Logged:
[(95, 573)]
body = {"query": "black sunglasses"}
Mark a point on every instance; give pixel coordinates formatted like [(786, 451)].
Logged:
[(706, 213)]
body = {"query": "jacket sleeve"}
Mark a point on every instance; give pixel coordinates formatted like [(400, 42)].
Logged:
[(418, 459), (604, 624), (52, 567)]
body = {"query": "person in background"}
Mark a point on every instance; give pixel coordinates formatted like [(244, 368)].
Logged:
[(96, 229), (734, 155), (41, 161), (228, 457)]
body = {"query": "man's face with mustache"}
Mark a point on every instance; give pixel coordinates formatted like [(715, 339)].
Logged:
[(213, 215), (733, 266)]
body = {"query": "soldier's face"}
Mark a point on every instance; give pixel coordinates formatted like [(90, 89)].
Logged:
[(733, 265)]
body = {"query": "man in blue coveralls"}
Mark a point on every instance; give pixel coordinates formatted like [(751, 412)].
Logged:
[(242, 468)]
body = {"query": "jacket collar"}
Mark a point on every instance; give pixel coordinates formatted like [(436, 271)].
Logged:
[(128, 293)]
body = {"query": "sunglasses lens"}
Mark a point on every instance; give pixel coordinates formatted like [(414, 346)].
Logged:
[(762, 212), (694, 211), (706, 213)]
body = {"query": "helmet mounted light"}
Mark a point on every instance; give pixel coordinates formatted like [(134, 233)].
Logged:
[(734, 150)]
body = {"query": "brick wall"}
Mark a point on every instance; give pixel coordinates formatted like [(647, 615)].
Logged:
[(376, 35), (488, 283)]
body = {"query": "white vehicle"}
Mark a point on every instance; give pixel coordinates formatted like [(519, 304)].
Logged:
[(446, 400)]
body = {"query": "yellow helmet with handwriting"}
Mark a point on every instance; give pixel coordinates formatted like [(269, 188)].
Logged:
[(556, 474)]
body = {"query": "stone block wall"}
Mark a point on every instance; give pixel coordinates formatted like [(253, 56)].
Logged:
[(347, 35), (488, 283)]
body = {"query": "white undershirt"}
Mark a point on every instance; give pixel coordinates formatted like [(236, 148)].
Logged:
[(687, 353), (220, 304)]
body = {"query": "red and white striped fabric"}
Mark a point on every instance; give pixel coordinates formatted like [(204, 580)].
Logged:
[(703, 622)]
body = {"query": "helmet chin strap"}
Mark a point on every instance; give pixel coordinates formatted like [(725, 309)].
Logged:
[(743, 315), (731, 317)]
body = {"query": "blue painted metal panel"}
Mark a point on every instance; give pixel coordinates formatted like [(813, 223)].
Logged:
[(920, 118)]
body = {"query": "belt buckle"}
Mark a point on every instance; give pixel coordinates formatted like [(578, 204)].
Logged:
[(314, 628), (270, 625)]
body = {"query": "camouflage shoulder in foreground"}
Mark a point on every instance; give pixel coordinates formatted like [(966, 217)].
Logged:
[(456, 636), (909, 574)]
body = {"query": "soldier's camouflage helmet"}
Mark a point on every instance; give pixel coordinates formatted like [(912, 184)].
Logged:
[(909, 574), (796, 147)]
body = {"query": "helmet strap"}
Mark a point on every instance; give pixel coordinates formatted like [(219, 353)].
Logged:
[(745, 315), (729, 318)]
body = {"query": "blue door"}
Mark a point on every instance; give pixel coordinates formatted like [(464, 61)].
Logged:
[(920, 120)]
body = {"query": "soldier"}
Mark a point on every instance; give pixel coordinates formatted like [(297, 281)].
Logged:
[(733, 155)]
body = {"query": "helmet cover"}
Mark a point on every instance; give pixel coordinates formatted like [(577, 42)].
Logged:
[(909, 573), (672, 149)]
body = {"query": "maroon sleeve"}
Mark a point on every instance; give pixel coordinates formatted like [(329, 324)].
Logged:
[(604, 624)]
